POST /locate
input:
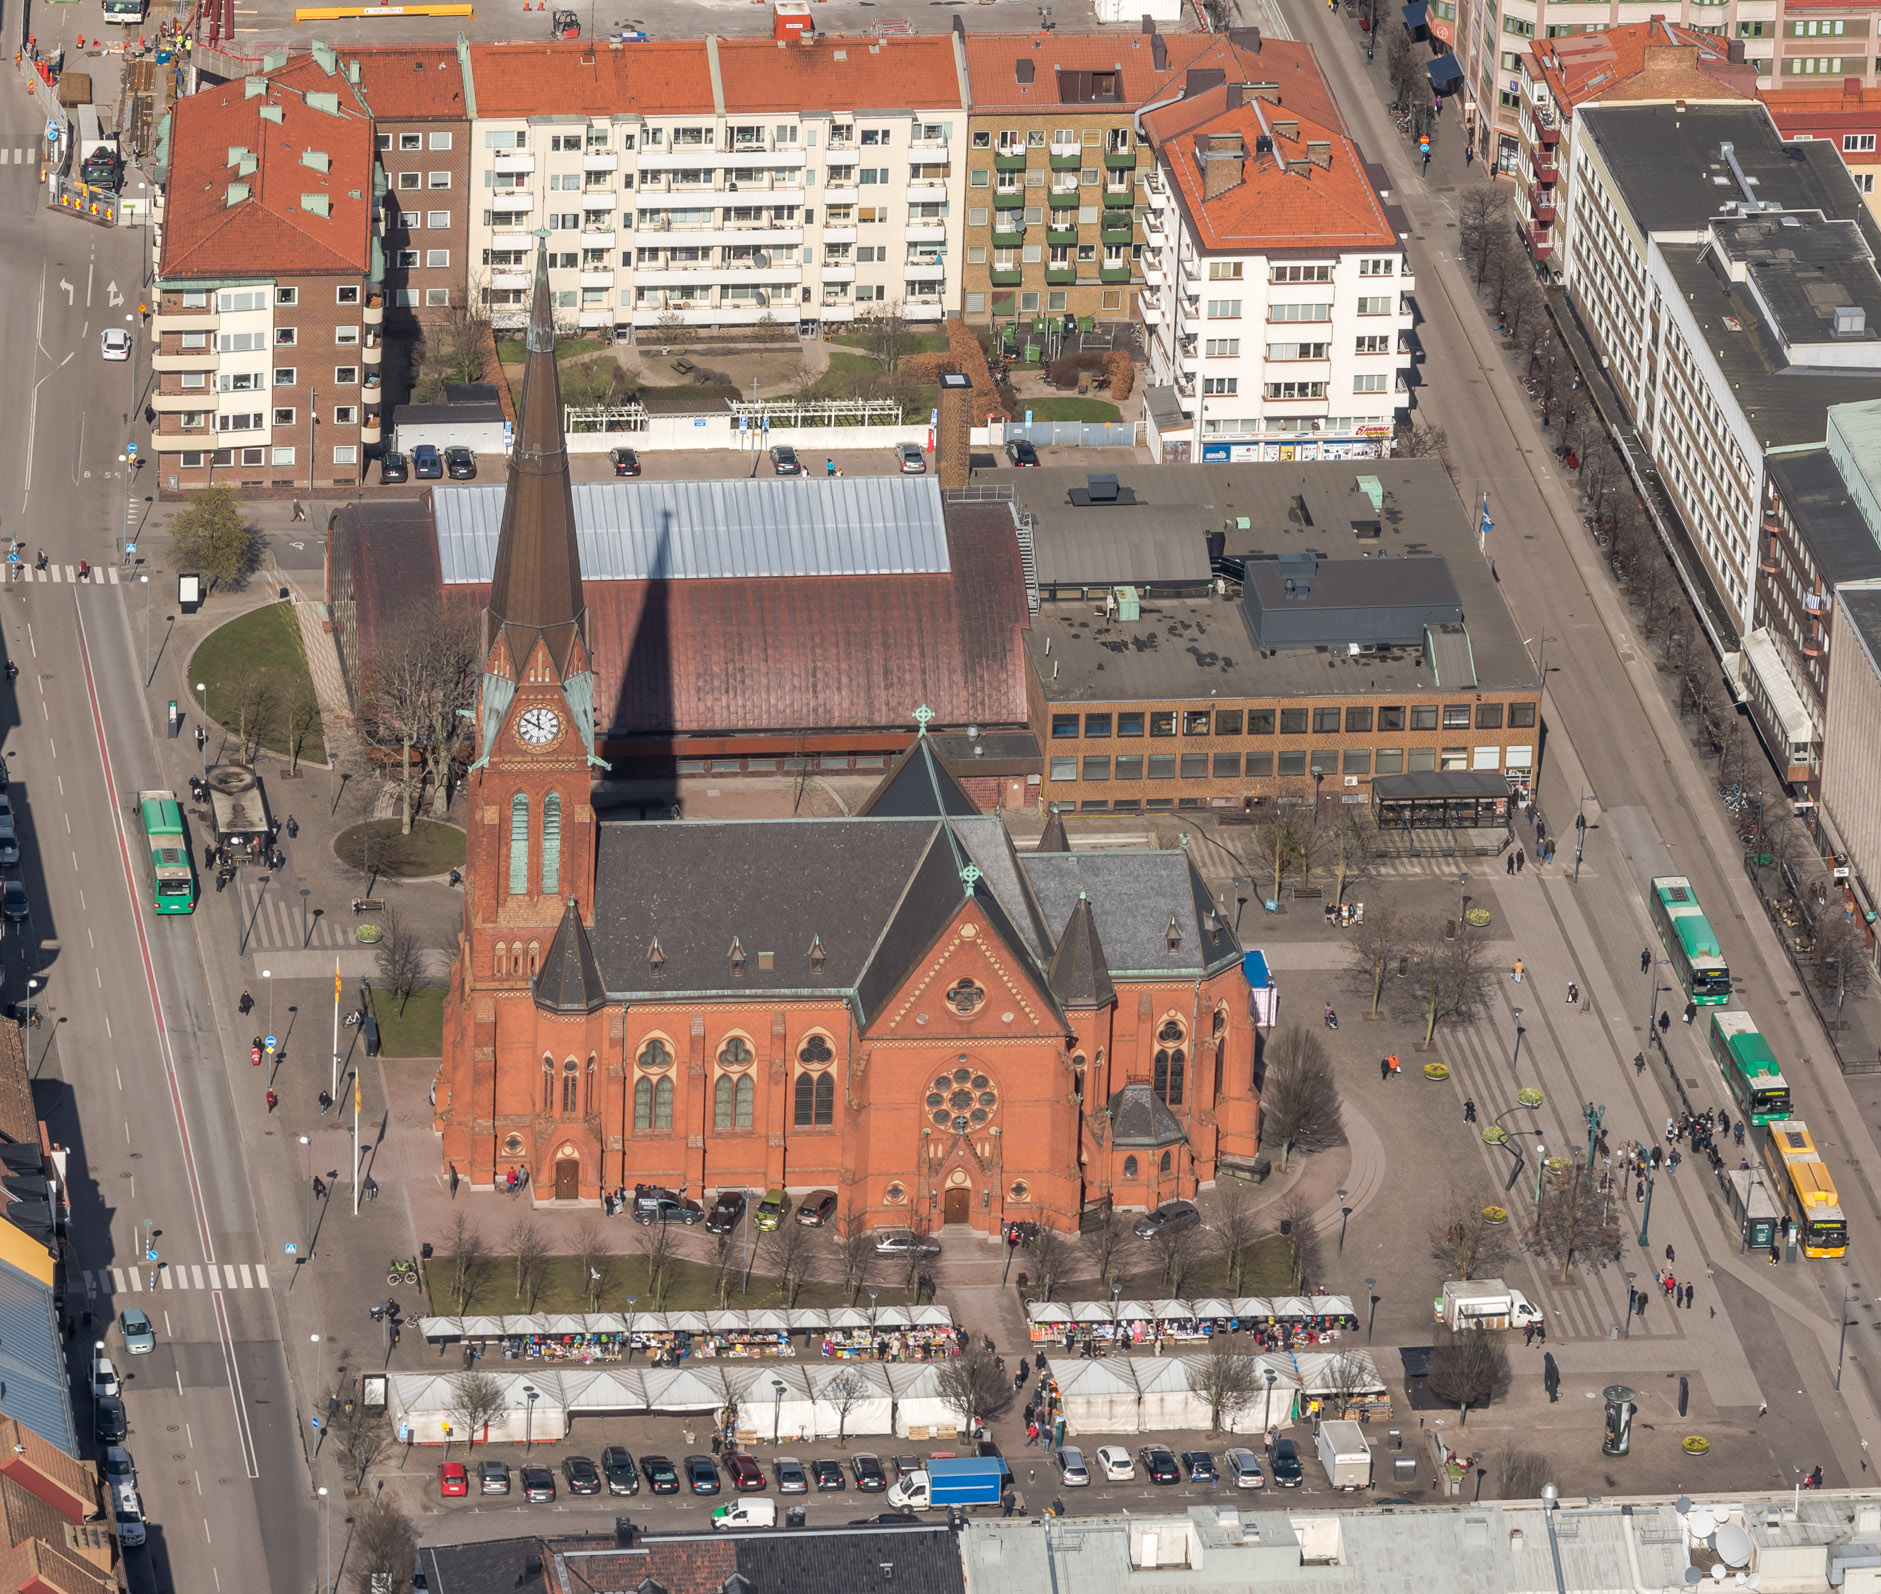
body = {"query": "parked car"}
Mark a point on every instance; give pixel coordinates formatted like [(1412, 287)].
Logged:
[(583, 1476), (870, 1478), (453, 1483), (1166, 1219), (1200, 1466), (1115, 1464), (493, 1477), (791, 1478), (784, 461), (115, 344), (625, 461), (727, 1212), (819, 1206), (701, 1475), (617, 1466), (129, 1513), (139, 1338), (118, 1466), (1022, 454), (1288, 1473), (828, 1474), (13, 902), (885, 1519), (771, 1209), (104, 1374), (1072, 1472), (900, 1242), (745, 1514), (538, 1485), (1160, 1463), (109, 1426), (661, 1475), (1244, 1469), (746, 1475), (394, 467), (911, 459), (427, 464), (654, 1205), (460, 464)]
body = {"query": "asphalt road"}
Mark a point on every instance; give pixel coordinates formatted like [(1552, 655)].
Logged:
[(142, 1097), (1612, 737)]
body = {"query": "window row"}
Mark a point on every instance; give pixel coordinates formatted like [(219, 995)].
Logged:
[(813, 1102), (1296, 721), (412, 141), (1261, 766), (410, 180), (232, 300)]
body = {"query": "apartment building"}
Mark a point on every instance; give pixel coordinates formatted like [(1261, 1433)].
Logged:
[(1727, 282), (1277, 294), (1846, 115), (1638, 63), (1057, 164), (720, 182), (418, 97), (270, 311)]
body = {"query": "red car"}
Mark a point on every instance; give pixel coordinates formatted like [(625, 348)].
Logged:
[(452, 1479), (746, 1473)]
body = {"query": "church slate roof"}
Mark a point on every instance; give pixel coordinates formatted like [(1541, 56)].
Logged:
[(1080, 978), (570, 978), (1139, 1118), (1053, 837), (1133, 896), (917, 785)]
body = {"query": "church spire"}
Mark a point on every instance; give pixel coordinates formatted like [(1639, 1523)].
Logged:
[(535, 591)]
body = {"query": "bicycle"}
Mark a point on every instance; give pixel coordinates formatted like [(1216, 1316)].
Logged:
[(402, 1272)]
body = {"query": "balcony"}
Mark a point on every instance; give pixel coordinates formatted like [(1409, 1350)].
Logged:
[(1067, 160), (1550, 136), (373, 312), (1009, 160), (597, 279), (925, 232), (509, 279), (605, 200), (1008, 225), (1116, 226), (1008, 198), (372, 354), (1120, 160), (512, 204), (1006, 278), (1063, 199), (598, 240), (923, 310), (188, 321), (1060, 231), (1119, 198), (369, 431), (839, 235), (177, 403), (191, 360), (1545, 170), (1114, 273), (1060, 276), (924, 271), (513, 161), (839, 196), (600, 163), (844, 273), (1544, 210), (927, 190), (1150, 309)]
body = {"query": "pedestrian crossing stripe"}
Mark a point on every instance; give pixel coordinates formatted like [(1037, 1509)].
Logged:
[(178, 1276), (99, 576)]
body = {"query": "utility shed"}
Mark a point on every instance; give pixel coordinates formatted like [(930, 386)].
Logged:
[(1304, 601)]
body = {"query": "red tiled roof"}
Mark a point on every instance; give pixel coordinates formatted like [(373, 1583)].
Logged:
[(1282, 202), (1840, 110), (268, 232), (839, 74), (992, 73), (397, 82), (658, 77), (1656, 60)]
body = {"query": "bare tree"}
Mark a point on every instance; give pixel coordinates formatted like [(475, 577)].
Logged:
[(525, 1245), (399, 957), (920, 1231), (1467, 1243), (299, 720), (1300, 1103), (476, 1397), (1350, 1380), (256, 702), (1451, 971), (360, 1435), (1227, 1383), (1575, 1217), (973, 1386), (453, 347), (1469, 1368), (420, 678), (1105, 1236), (847, 1390), (1520, 1474), (1178, 1254), (383, 1548), (656, 1253), (725, 1271), (889, 336), (1838, 957), (467, 1259), (1351, 844), (1481, 219), (600, 1262), (1294, 1225), (1277, 838), (1048, 1256), (787, 1251), (1237, 1228), (1422, 441), (855, 1250), (1375, 946)]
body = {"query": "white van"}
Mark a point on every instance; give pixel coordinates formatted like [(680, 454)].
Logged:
[(751, 1512), (129, 1511)]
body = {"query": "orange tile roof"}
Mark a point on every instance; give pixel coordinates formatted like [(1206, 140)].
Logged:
[(1656, 60), (37, 1567), (839, 74), (1837, 110), (660, 77), (66, 1484), (1276, 206), (267, 233), (397, 82), (992, 74)]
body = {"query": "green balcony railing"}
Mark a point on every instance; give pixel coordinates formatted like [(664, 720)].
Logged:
[(1116, 226), (1065, 199), (1113, 273), (1120, 160), (1060, 276), (1013, 162), (1008, 198), (1067, 161), (1007, 279), (1119, 198), (1059, 231)]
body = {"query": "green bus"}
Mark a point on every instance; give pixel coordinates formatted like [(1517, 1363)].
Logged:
[(1750, 1068), (1696, 956), (172, 872)]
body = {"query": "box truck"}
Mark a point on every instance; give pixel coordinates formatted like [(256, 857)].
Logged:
[(945, 1481), (1484, 1303), (1345, 1455)]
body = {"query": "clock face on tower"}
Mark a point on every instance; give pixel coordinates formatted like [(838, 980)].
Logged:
[(539, 726)]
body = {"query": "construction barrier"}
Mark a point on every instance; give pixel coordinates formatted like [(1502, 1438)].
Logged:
[(97, 205), (336, 13)]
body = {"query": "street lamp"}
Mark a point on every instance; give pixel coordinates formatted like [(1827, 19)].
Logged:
[(1116, 1298), (1848, 1298), (1267, 1419), (1593, 1115), (1652, 1004), (146, 583), (1631, 1304), (1515, 1061), (1463, 902), (1371, 1287), (268, 975), (1541, 1161), (203, 729), (532, 1395), (630, 1326), (306, 1168), (1580, 836), (319, 1366), (326, 1514), (777, 1411), (872, 1295), (1645, 1217), (1344, 1213)]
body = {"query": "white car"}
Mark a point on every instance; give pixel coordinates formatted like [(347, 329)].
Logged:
[(1116, 1464), (899, 1242), (1072, 1472), (115, 343), (104, 1376), (1242, 1468)]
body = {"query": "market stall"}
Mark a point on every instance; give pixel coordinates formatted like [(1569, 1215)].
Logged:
[(921, 1412), (851, 1400), (1124, 1395), (894, 1333)]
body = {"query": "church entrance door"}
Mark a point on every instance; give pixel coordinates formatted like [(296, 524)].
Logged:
[(954, 1206), (568, 1179)]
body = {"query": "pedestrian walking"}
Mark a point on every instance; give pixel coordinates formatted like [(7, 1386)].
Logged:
[(320, 1187), (326, 1103), (1688, 1297), (1671, 1130), (1668, 1254), (1384, 1069), (1521, 858), (1691, 1011), (1574, 994), (1508, 864), (1665, 1022), (273, 1101), (1528, 1334), (1519, 967), (1645, 961), (293, 828), (1469, 1111), (1392, 1065)]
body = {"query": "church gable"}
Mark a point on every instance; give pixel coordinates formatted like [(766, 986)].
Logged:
[(973, 984)]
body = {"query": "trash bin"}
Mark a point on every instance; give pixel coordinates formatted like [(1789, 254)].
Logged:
[(793, 1516), (371, 1027), (1403, 1469)]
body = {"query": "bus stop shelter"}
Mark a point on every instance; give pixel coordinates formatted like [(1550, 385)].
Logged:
[(1457, 799)]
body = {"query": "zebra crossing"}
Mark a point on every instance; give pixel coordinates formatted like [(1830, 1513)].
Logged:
[(20, 154), (134, 1280), (98, 575), (273, 915)]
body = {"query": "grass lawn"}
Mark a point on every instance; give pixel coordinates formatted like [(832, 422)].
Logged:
[(1266, 1273), (1070, 409), (920, 343), (430, 849), (845, 370), (512, 351), (691, 1285), (262, 646), (416, 1032)]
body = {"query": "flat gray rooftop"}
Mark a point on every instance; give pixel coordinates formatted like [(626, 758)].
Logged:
[(1805, 268), (1826, 518)]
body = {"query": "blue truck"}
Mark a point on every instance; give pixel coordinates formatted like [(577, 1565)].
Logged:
[(951, 1481)]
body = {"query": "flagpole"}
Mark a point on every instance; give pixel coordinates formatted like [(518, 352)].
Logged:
[(336, 1028), (355, 1142)]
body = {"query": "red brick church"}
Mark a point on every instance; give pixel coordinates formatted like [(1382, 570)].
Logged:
[(897, 1005)]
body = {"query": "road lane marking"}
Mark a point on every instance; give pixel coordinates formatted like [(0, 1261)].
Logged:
[(137, 1283), (117, 1281), (236, 1397), (246, 1283)]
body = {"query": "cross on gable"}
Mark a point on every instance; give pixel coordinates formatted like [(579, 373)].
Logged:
[(921, 716), (970, 876)]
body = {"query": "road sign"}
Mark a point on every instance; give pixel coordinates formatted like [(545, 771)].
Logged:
[(292, 1249), (53, 130), (151, 1254), (131, 449), (271, 1043), (315, 1421)]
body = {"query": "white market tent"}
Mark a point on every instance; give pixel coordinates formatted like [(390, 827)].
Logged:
[(1140, 1394), (918, 1400), (801, 1320)]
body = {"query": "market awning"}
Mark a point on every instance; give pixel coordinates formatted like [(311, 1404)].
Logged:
[(1416, 16), (1444, 71)]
